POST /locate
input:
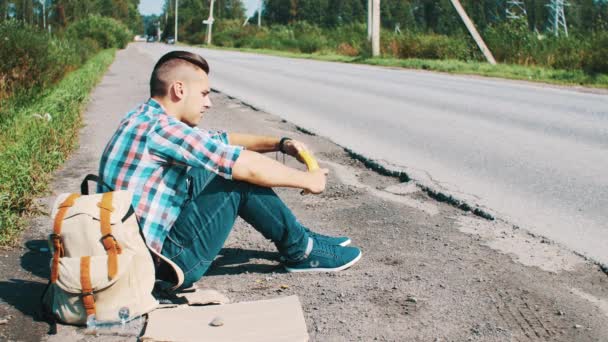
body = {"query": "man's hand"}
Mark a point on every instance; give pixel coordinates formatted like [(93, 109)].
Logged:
[(318, 179)]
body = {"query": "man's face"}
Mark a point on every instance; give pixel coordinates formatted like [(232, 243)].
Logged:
[(196, 98)]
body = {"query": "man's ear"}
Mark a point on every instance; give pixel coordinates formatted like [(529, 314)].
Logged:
[(177, 90)]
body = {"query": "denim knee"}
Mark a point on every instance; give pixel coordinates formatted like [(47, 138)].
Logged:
[(194, 274), (186, 257)]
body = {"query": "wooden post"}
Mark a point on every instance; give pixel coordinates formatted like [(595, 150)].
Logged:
[(210, 23), (176, 7), (369, 20), (259, 13), (376, 28), (473, 31)]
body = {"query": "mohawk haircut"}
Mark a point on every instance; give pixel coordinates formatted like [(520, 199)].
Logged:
[(159, 85)]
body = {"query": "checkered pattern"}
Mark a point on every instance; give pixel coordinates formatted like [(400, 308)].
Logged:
[(150, 154)]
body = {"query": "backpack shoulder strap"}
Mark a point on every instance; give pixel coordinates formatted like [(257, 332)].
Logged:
[(56, 236), (88, 301), (107, 239), (84, 186)]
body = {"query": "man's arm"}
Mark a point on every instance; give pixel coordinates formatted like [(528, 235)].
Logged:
[(257, 143), (263, 144), (255, 168)]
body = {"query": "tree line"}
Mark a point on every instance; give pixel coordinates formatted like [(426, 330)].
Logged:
[(61, 13), (436, 16), (191, 14)]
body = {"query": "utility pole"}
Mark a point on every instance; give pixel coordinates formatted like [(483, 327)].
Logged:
[(176, 6), (209, 22), (376, 28), (369, 20), (558, 17), (259, 13), (42, 2), (473, 31)]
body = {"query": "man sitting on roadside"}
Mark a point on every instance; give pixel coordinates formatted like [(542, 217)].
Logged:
[(189, 185)]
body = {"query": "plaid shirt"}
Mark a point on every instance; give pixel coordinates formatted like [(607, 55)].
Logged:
[(150, 154)]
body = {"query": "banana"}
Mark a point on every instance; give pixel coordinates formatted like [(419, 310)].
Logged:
[(311, 162)]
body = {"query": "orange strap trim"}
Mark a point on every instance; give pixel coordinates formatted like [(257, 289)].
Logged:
[(107, 239), (88, 301), (56, 236)]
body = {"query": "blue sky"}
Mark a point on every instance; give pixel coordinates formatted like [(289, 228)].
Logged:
[(156, 6)]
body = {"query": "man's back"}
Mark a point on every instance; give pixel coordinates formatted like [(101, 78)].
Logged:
[(150, 153)]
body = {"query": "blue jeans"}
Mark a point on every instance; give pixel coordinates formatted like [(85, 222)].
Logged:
[(208, 216)]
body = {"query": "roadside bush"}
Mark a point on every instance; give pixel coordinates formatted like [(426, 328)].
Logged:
[(512, 42), (32, 147), (444, 47), (309, 38), (198, 38), (562, 52), (279, 38), (310, 44), (107, 32), (352, 34), (230, 33), (349, 40), (347, 50), (596, 58), (428, 46), (32, 59)]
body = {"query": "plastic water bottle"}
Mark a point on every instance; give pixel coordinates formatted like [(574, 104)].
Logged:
[(123, 315), (120, 327), (91, 325)]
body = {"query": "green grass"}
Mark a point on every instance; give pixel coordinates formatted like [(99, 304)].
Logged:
[(515, 72), (31, 148)]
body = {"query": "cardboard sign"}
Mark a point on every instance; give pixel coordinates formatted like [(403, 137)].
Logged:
[(279, 319)]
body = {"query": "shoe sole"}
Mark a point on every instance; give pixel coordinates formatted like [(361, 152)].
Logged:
[(343, 267), (345, 243)]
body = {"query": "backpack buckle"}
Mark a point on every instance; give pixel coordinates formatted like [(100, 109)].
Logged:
[(57, 242), (85, 294), (108, 245), (107, 236)]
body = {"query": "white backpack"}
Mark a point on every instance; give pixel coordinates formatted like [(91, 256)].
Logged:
[(101, 265)]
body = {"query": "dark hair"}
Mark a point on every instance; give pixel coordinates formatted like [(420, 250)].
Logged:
[(158, 84)]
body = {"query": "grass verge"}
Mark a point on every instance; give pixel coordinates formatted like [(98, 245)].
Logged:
[(32, 146), (508, 71)]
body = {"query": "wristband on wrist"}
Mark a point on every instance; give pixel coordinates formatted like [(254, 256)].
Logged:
[(282, 144)]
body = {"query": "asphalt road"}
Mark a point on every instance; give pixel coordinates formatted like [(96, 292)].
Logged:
[(535, 155)]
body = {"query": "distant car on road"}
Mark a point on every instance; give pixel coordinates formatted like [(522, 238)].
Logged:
[(139, 38), (170, 40), (151, 39)]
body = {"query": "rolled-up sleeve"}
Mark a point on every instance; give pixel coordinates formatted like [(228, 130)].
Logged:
[(172, 141), (219, 135)]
